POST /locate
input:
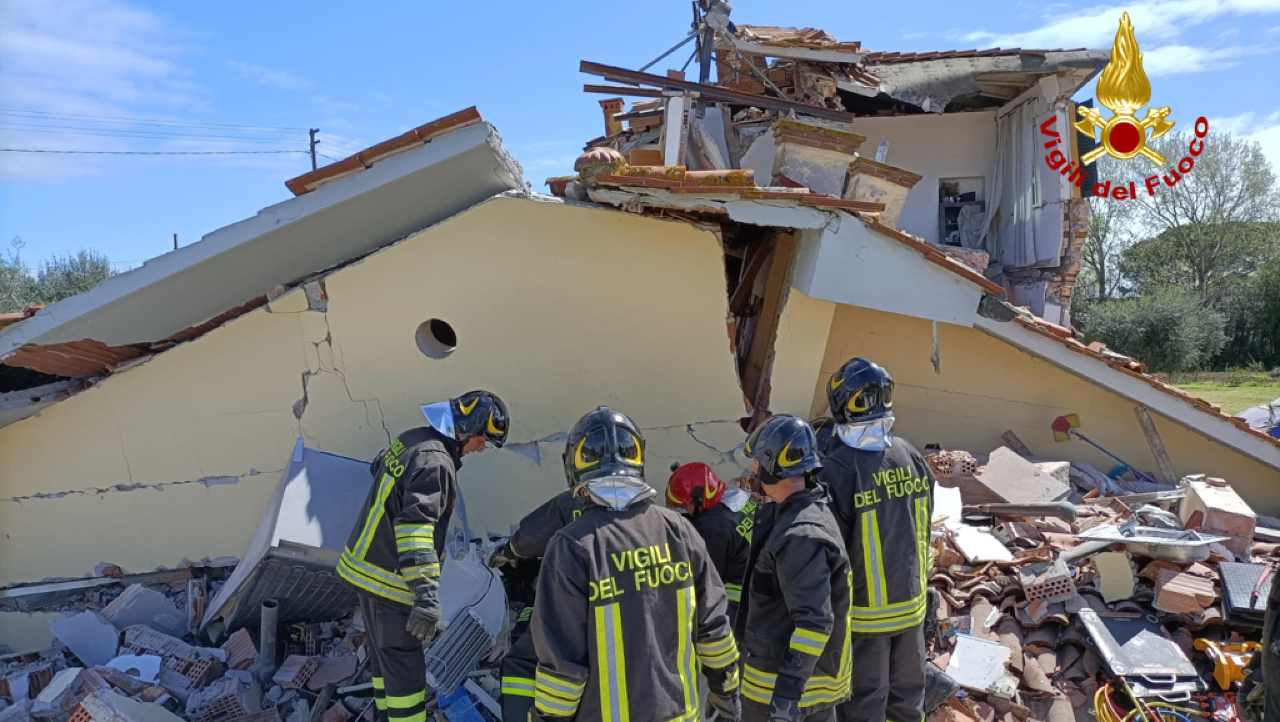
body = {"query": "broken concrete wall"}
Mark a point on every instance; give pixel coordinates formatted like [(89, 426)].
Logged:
[(955, 145), (177, 456), (987, 386)]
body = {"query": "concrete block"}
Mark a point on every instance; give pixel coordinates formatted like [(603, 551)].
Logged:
[(295, 671), (139, 605), (813, 156), (60, 696), (108, 706), (89, 637), (1018, 481), (880, 183), (240, 650), (1211, 505), (1115, 575)]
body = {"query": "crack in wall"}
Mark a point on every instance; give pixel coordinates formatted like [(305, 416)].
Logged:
[(205, 481)]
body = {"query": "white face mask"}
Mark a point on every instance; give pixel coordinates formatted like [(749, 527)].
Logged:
[(440, 417), (868, 435), (618, 492)]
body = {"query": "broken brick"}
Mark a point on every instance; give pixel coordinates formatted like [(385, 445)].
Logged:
[(1183, 593), (240, 649)]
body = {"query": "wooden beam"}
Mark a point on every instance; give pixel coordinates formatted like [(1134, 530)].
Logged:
[(713, 93), (621, 90)]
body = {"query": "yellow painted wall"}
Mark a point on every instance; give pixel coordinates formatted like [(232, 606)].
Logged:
[(799, 352), (557, 309), (987, 386)]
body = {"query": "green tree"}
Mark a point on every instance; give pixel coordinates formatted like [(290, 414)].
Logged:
[(1109, 235), (64, 276), (58, 278), (1168, 330), (1205, 229)]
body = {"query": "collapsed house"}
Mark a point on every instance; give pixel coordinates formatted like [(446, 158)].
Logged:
[(817, 202)]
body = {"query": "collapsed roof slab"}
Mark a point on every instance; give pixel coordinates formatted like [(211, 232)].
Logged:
[(931, 81), (340, 220)]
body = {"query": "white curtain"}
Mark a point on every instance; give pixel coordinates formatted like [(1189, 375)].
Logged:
[(1024, 217)]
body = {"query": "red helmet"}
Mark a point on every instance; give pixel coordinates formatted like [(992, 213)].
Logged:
[(694, 487)]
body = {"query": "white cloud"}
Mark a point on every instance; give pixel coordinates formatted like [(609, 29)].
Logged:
[(269, 77), (1095, 26), (1178, 59), (1265, 131), (80, 57)]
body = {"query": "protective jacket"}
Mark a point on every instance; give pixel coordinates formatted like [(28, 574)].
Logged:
[(404, 522), (534, 532), (795, 641), (727, 534), (882, 501), (628, 605)]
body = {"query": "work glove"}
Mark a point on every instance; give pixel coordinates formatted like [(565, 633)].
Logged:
[(425, 613), (784, 710), (727, 705), (503, 556)]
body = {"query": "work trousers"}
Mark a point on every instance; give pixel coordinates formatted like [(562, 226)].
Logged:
[(888, 678), (396, 660), (756, 712), (518, 669)]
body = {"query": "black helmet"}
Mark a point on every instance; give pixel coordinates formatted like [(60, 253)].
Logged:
[(785, 446), (480, 413), (603, 444), (860, 391)]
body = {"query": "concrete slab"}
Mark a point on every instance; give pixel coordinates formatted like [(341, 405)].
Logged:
[(139, 605), (145, 667), (1115, 575), (1018, 481), (90, 637)]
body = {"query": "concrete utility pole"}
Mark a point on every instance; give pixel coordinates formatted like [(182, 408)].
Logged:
[(312, 134)]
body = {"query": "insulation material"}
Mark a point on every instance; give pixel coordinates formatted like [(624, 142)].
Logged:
[(979, 545), (980, 665), (1115, 575)]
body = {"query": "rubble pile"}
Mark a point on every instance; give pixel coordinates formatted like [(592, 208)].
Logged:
[(1083, 605)]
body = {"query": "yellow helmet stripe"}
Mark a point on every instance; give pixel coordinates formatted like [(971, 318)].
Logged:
[(579, 462), (467, 409), (856, 403), (782, 457), (490, 427)]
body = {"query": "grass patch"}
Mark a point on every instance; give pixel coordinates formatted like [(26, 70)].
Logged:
[(1233, 391)]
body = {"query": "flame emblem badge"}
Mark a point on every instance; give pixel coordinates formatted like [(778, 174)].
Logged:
[(1124, 89)]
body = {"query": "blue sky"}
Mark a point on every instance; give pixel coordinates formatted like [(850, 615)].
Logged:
[(195, 70)]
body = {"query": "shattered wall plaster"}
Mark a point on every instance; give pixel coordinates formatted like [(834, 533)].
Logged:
[(987, 386), (176, 457)]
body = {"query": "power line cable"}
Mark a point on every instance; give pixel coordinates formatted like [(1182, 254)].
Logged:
[(149, 152), (143, 120), (128, 133)]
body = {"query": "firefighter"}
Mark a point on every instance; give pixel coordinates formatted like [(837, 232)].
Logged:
[(722, 516), (882, 494), (521, 554), (393, 555), (796, 657), (629, 605)]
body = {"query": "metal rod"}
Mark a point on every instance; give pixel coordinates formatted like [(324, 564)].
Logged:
[(670, 50), (267, 629)]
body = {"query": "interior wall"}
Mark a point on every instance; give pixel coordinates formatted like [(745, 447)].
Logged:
[(987, 386), (557, 308), (954, 145)]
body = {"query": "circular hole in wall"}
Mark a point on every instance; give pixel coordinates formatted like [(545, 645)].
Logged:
[(435, 338)]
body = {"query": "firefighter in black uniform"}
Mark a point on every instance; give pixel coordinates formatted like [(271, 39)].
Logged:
[(394, 554), (522, 555), (796, 656), (882, 495), (722, 516), (628, 602)]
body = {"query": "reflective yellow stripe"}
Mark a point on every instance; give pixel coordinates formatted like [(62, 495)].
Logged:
[(888, 610), (525, 614), (718, 653), (873, 559), (374, 517), (426, 529), (757, 686), (372, 579), (405, 701), (419, 716), (809, 642), (685, 665), (922, 539), (379, 696), (554, 695), (414, 545), (614, 706), (733, 592), (422, 571), (518, 686), (378, 683)]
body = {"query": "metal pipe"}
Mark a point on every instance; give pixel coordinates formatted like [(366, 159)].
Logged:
[(267, 629)]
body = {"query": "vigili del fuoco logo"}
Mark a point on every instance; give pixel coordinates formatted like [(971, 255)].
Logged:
[(1124, 89)]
